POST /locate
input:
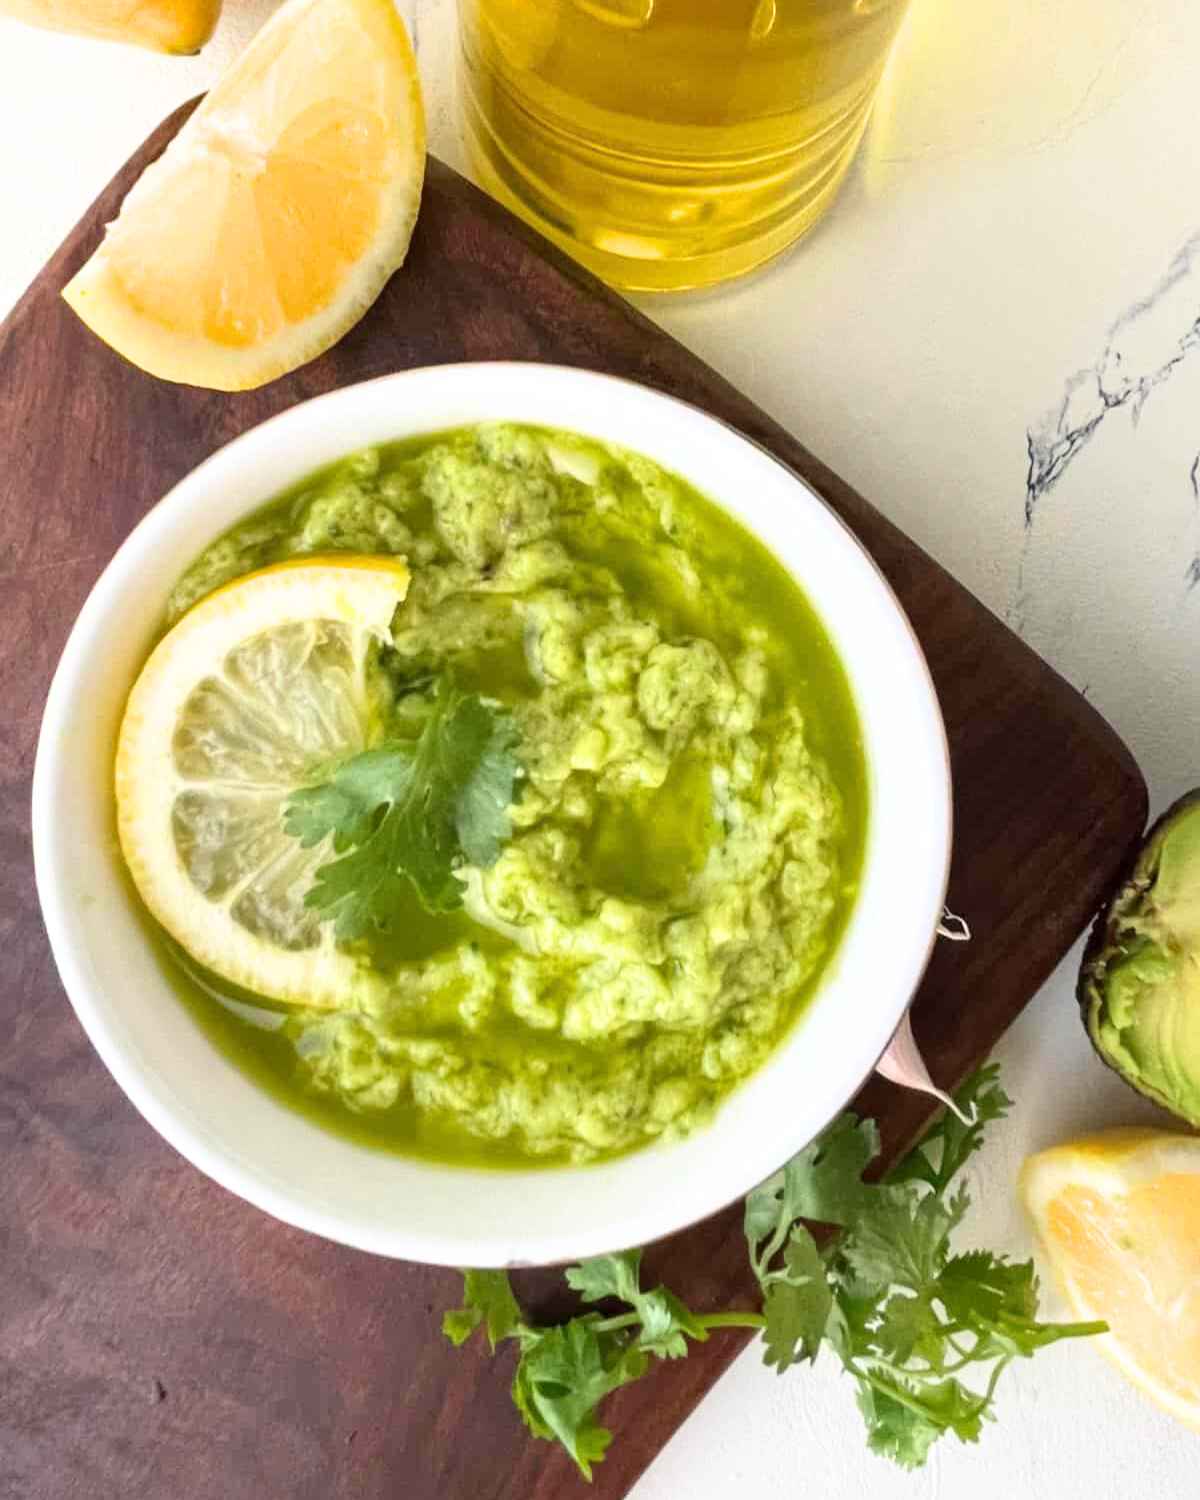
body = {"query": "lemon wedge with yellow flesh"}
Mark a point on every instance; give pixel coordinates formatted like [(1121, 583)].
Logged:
[(254, 693), (161, 25), (273, 219), (1119, 1215)]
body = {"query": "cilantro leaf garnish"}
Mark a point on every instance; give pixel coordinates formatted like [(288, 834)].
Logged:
[(906, 1317), (820, 1183), (565, 1370), (899, 1239), (410, 812), (664, 1319), (904, 1419), (563, 1375), (885, 1296), (797, 1302), (487, 1299), (945, 1149)]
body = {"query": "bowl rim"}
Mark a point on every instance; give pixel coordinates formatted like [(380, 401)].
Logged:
[(164, 518)]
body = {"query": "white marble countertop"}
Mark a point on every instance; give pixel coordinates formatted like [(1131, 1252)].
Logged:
[(996, 337)]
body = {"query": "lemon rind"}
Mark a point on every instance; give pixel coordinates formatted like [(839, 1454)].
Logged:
[(95, 295)]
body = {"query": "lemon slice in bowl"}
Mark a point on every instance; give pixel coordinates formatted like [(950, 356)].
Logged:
[(1118, 1213), (253, 694), (274, 218)]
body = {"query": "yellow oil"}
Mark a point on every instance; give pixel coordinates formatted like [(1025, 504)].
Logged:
[(670, 143)]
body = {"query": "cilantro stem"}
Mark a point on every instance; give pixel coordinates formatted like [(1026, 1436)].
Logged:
[(926, 1375), (775, 1244), (734, 1320), (613, 1325), (1065, 1330), (710, 1320), (887, 1388), (999, 1369)]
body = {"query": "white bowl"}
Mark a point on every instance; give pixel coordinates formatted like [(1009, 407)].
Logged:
[(280, 1161)]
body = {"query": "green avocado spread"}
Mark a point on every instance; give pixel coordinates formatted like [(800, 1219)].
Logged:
[(687, 827)]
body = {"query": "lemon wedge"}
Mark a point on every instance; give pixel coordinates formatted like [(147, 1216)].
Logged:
[(179, 26), (254, 693), (273, 219), (1119, 1215)]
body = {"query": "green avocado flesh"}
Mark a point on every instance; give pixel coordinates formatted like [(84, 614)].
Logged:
[(688, 827), (1140, 985)]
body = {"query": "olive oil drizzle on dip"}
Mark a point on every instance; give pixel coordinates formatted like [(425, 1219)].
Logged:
[(687, 832)]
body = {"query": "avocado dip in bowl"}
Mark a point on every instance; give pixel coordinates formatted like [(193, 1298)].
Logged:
[(653, 844)]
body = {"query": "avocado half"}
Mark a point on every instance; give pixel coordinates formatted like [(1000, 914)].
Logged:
[(1139, 986)]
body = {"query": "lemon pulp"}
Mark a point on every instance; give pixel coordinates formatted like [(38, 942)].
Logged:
[(256, 692)]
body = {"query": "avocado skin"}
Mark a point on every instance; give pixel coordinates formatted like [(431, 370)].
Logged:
[(1105, 939)]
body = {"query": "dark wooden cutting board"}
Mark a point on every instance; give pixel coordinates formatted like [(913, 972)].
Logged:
[(157, 1336)]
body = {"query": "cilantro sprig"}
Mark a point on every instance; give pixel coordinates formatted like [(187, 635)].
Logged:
[(410, 812), (924, 1334), (565, 1370)]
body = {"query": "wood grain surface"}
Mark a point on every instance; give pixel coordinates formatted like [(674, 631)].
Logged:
[(157, 1336)]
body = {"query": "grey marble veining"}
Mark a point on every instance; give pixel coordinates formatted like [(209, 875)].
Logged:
[(1143, 349), (1192, 575), (1107, 581)]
